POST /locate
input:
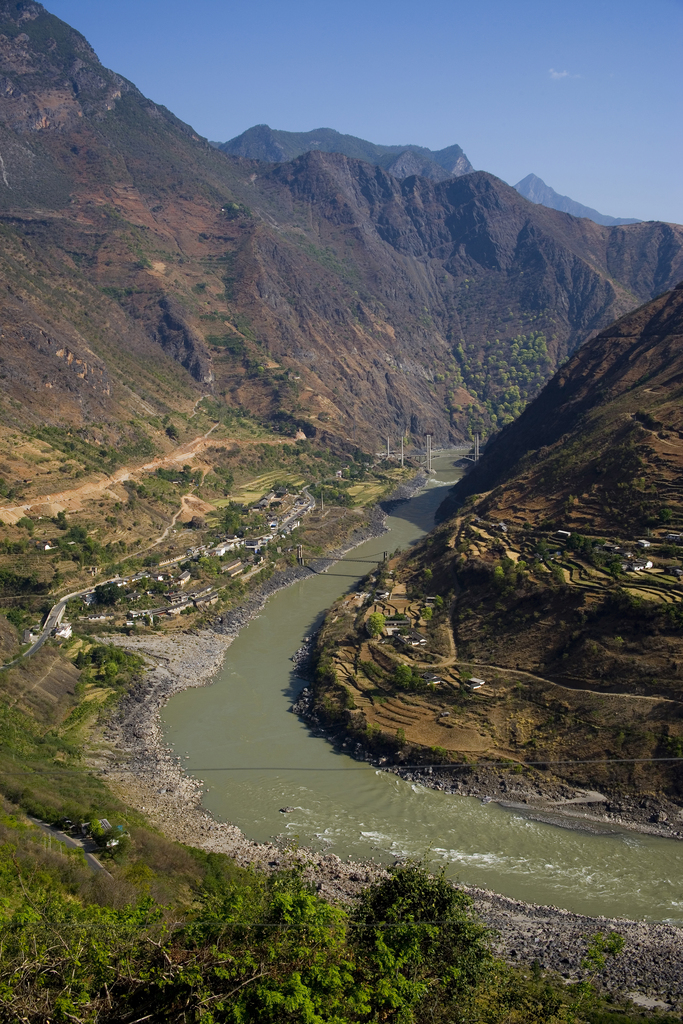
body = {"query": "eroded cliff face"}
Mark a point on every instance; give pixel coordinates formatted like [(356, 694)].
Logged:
[(324, 290)]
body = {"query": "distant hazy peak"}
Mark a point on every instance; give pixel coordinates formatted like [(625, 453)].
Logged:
[(535, 190), (273, 146)]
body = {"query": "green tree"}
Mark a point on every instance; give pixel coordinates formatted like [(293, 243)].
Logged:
[(107, 593), (423, 951), (231, 518), (375, 624), (403, 676), (600, 947)]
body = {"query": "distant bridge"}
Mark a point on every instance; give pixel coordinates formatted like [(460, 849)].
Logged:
[(302, 559)]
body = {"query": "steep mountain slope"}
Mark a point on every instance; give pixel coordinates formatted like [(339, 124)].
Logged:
[(536, 191), (607, 429), (554, 580), (264, 143), (461, 282), (321, 294)]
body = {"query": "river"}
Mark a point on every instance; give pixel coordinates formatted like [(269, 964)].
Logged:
[(255, 758)]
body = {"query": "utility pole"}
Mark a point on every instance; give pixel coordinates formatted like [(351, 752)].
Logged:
[(322, 500), (476, 447), (401, 451), (388, 451), (429, 453)]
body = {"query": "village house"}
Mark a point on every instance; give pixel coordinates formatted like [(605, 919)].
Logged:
[(231, 544), (176, 609), (256, 543), (232, 568), (430, 678), (394, 626), (412, 638)]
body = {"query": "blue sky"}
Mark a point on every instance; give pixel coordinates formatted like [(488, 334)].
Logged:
[(588, 95)]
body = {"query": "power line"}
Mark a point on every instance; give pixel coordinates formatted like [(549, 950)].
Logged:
[(348, 768)]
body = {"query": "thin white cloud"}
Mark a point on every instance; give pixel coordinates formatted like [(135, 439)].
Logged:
[(557, 75)]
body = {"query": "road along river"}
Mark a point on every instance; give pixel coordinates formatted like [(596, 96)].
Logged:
[(263, 758)]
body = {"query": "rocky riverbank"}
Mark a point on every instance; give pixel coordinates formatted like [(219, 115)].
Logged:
[(146, 773), (649, 969)]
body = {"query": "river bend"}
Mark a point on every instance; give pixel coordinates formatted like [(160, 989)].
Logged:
[(264, 758)]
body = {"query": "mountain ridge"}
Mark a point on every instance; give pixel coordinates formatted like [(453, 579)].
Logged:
[(535, 190), (261, 142)]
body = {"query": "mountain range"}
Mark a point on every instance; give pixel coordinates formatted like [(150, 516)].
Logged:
[(536, 191), (273, 146), (142, 267), (568, 534)]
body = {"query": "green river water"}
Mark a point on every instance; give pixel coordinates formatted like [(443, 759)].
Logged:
[(264, 758)]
